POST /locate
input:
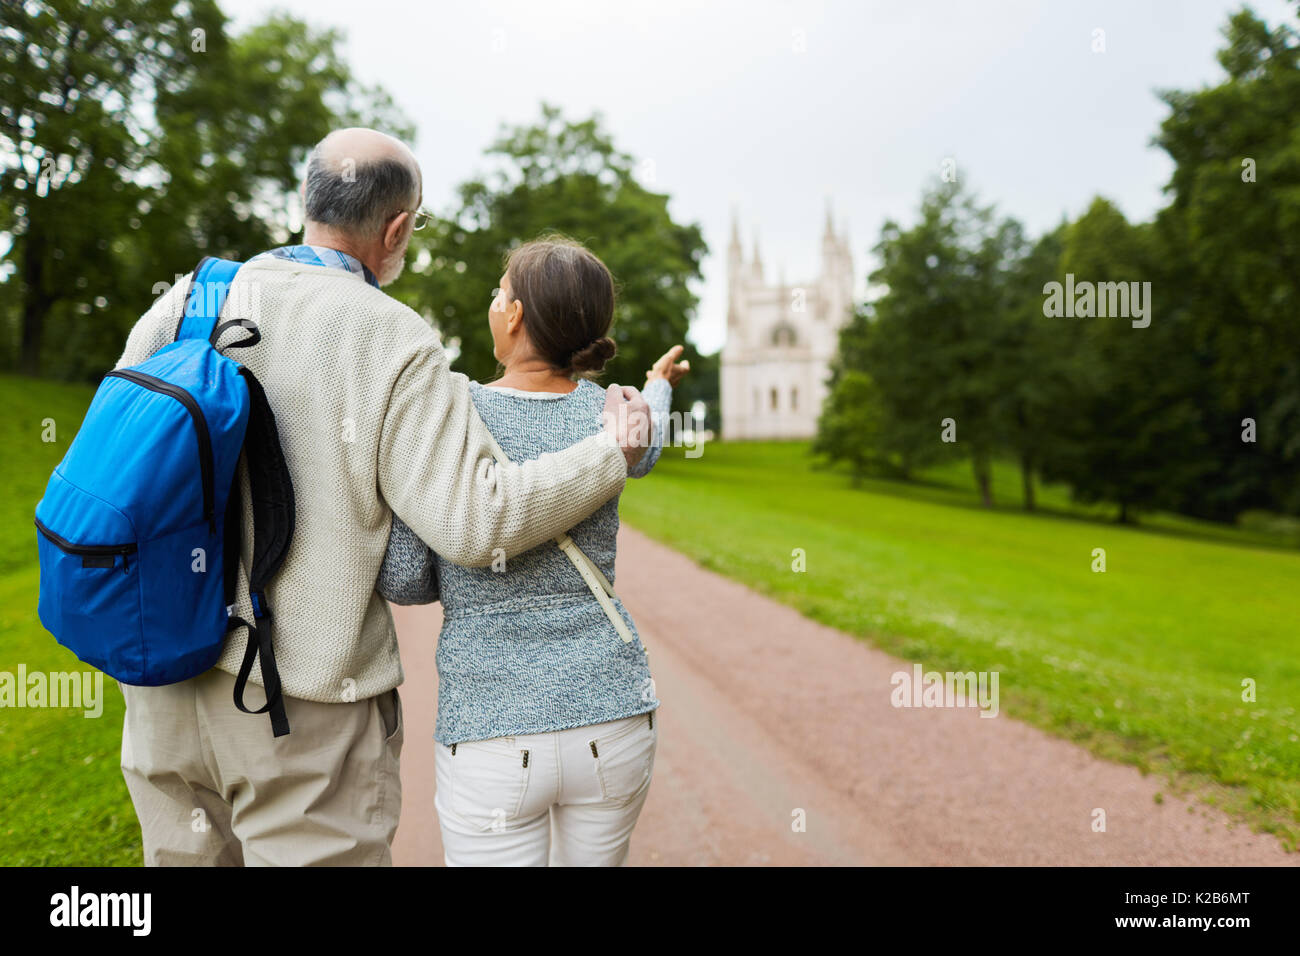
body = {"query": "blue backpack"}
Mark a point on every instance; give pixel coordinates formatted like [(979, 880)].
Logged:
[(139, 529)]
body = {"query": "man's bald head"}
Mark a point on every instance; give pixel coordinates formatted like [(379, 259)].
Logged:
[(364, 145), (358, 179)]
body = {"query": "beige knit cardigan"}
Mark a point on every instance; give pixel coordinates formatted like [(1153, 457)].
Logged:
[(372, 421)]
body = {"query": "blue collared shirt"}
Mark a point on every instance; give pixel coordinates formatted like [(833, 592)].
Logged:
[(321, 256)]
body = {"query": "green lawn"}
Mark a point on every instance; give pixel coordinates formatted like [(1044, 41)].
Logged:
[(1143, 663), (62, 798)]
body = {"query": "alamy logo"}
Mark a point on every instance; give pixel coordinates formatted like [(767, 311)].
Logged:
[(102, 909), (241, 300), (82, 690), (950, 689), (1084, 300), (682, 430)]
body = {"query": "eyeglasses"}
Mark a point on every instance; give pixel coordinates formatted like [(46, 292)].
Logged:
[(422, 218)]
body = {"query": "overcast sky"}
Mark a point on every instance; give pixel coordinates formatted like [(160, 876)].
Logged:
[(776, 107)]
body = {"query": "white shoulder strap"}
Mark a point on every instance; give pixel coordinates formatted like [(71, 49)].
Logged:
[(595, 578)]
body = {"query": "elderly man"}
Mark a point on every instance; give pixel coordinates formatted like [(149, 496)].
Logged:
[(372, 421)]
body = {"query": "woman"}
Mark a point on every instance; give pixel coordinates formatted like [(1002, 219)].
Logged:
[(546, 727)]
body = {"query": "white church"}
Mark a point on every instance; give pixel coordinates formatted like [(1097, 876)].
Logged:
[(780, 341)]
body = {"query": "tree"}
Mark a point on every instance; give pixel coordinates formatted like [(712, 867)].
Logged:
[(850, 424), (71, 141), (233, 141), (1233, 226), (1132, 431), (139, 136), (930, 344), (565, 177), (1033, 359), (1151, 417)]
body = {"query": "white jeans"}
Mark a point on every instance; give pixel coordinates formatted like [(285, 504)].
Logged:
[(567, 798)]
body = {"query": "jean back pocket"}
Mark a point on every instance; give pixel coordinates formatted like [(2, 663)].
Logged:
[(488, 782), (624, 758)]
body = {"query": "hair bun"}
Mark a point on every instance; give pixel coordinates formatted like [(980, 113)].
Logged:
[(594, 356)]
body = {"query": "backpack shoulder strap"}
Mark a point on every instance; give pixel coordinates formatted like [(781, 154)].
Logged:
[(208, 289), (595, 579), (271, 489)]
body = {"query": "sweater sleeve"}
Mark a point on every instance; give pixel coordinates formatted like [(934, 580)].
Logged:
[(409, 574), (437, 471), (659, 396)]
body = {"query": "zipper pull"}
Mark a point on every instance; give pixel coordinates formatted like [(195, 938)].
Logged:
[(124, 564)]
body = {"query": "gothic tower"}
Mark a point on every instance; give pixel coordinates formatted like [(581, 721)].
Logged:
[(780, 340)]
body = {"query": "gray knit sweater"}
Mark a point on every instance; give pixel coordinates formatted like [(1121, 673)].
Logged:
[(525, 647)]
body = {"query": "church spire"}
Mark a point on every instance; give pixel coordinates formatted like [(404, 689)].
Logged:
[(834, 248), (735, 254)]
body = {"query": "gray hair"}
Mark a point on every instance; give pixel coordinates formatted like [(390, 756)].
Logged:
[(359, 197)]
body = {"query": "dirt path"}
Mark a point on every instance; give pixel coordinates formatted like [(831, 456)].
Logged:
[(765, 712)]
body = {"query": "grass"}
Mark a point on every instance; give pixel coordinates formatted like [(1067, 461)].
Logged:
[(29, 405), (1143, 663), (62, 798)]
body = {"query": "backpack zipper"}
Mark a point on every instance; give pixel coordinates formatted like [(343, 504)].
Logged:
[(155, 384), (66, 546)]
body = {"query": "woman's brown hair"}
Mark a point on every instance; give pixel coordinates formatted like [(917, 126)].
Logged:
[(568, 297)]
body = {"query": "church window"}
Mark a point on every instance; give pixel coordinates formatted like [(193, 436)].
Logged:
[(774, 395), (783, 335)]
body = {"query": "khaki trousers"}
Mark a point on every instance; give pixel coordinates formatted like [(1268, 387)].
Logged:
[(212, 786)]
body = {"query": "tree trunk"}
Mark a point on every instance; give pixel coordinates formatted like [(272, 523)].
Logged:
[(36, 304), (1027, 481), (983, 478)]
